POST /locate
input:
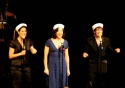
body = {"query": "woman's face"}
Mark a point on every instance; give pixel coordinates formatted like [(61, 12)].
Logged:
[(59, 33), (23, 32), (98, 32)]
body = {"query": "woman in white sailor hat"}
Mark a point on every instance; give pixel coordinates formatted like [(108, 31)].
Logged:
[(97, 50), (19, 50), (56, 58)]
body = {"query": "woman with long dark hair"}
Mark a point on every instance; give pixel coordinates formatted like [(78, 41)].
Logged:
[(19, 49)]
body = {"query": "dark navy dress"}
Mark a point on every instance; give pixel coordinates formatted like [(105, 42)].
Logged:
[(56, 59)]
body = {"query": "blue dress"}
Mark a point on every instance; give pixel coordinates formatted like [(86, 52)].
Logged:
[(56, 59)]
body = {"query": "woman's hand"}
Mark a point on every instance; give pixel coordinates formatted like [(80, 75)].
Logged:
[(117, 50), (34, 51), (46, 71), (23, 52), (68, 73), (85, 55)]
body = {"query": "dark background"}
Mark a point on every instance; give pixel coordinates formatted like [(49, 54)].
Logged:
[(78, 19)]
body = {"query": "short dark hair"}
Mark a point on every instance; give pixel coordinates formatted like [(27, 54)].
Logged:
[(97, 28), (54, 33)]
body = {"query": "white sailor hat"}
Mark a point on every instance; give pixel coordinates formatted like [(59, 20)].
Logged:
[(58, 26), (97, 25), (20, 25)]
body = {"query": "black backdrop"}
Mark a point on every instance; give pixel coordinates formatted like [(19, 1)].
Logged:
[(78, 19)]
